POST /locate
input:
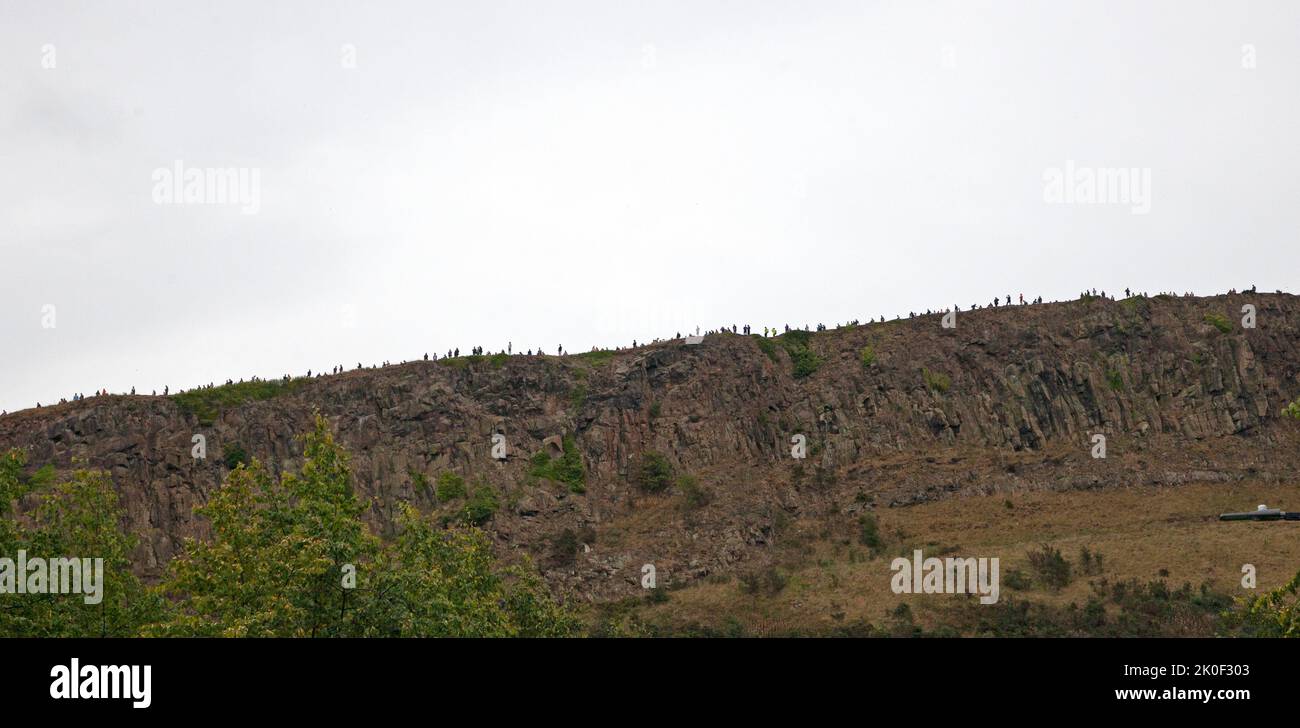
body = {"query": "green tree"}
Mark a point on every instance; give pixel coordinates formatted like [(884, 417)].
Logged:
[(77, 519), (1273, 614), (279, 554), (282, 550), (445, 583), (654, 473)]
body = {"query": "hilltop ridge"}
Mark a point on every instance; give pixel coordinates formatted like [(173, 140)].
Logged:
[(686, 449)]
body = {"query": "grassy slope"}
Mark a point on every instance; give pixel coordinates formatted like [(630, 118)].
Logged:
[(1139, 531)]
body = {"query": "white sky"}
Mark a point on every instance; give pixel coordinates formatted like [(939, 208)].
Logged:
[(585, 174)]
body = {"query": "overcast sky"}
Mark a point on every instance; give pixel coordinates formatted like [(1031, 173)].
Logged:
[(437, 174)]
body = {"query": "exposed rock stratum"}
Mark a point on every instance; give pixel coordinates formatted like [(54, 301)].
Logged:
[(1008, 401)]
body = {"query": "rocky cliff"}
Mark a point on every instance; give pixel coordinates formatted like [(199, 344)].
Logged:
[(893, 414)]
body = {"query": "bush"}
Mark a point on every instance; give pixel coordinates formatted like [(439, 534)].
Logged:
[(804, 359), (1115, 380), (1090, 562), (936, 381), (869, 532), (1272, 614), (564, 547), (481, 506), (805, 362), (654, 473), (694, 495), (578, 395), (769, 581), (450, 487), (766, 346), (419, 481), (233, 456), (1050, 567), (1016, 579), (565, 469), (868, 356), (1218, 321), (1292, 410)]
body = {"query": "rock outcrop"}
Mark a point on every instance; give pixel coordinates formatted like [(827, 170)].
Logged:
[(895, 413)]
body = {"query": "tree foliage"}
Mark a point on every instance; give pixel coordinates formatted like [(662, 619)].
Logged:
[(292, 557), (288, 556), (82, 519), (1272, 614)]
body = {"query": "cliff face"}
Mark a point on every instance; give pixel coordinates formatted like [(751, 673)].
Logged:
[(1007, 401)]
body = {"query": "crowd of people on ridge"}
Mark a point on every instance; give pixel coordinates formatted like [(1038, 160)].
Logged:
[(998, 302)]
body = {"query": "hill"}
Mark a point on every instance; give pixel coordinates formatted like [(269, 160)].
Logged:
[(979, 436)]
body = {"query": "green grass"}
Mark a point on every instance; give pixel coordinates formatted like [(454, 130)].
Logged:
[(567, 468), (462, 362), (578, 395), (766, 346), (206, 404), (596, 358), (936, 381), (1218, 321), (498, 360), (868, 356), (804, 359), (1115, 380), (450, 487)]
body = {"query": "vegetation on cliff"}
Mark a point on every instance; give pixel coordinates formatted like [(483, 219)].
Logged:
[(289, 556), (206, 404), (567, 468)]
